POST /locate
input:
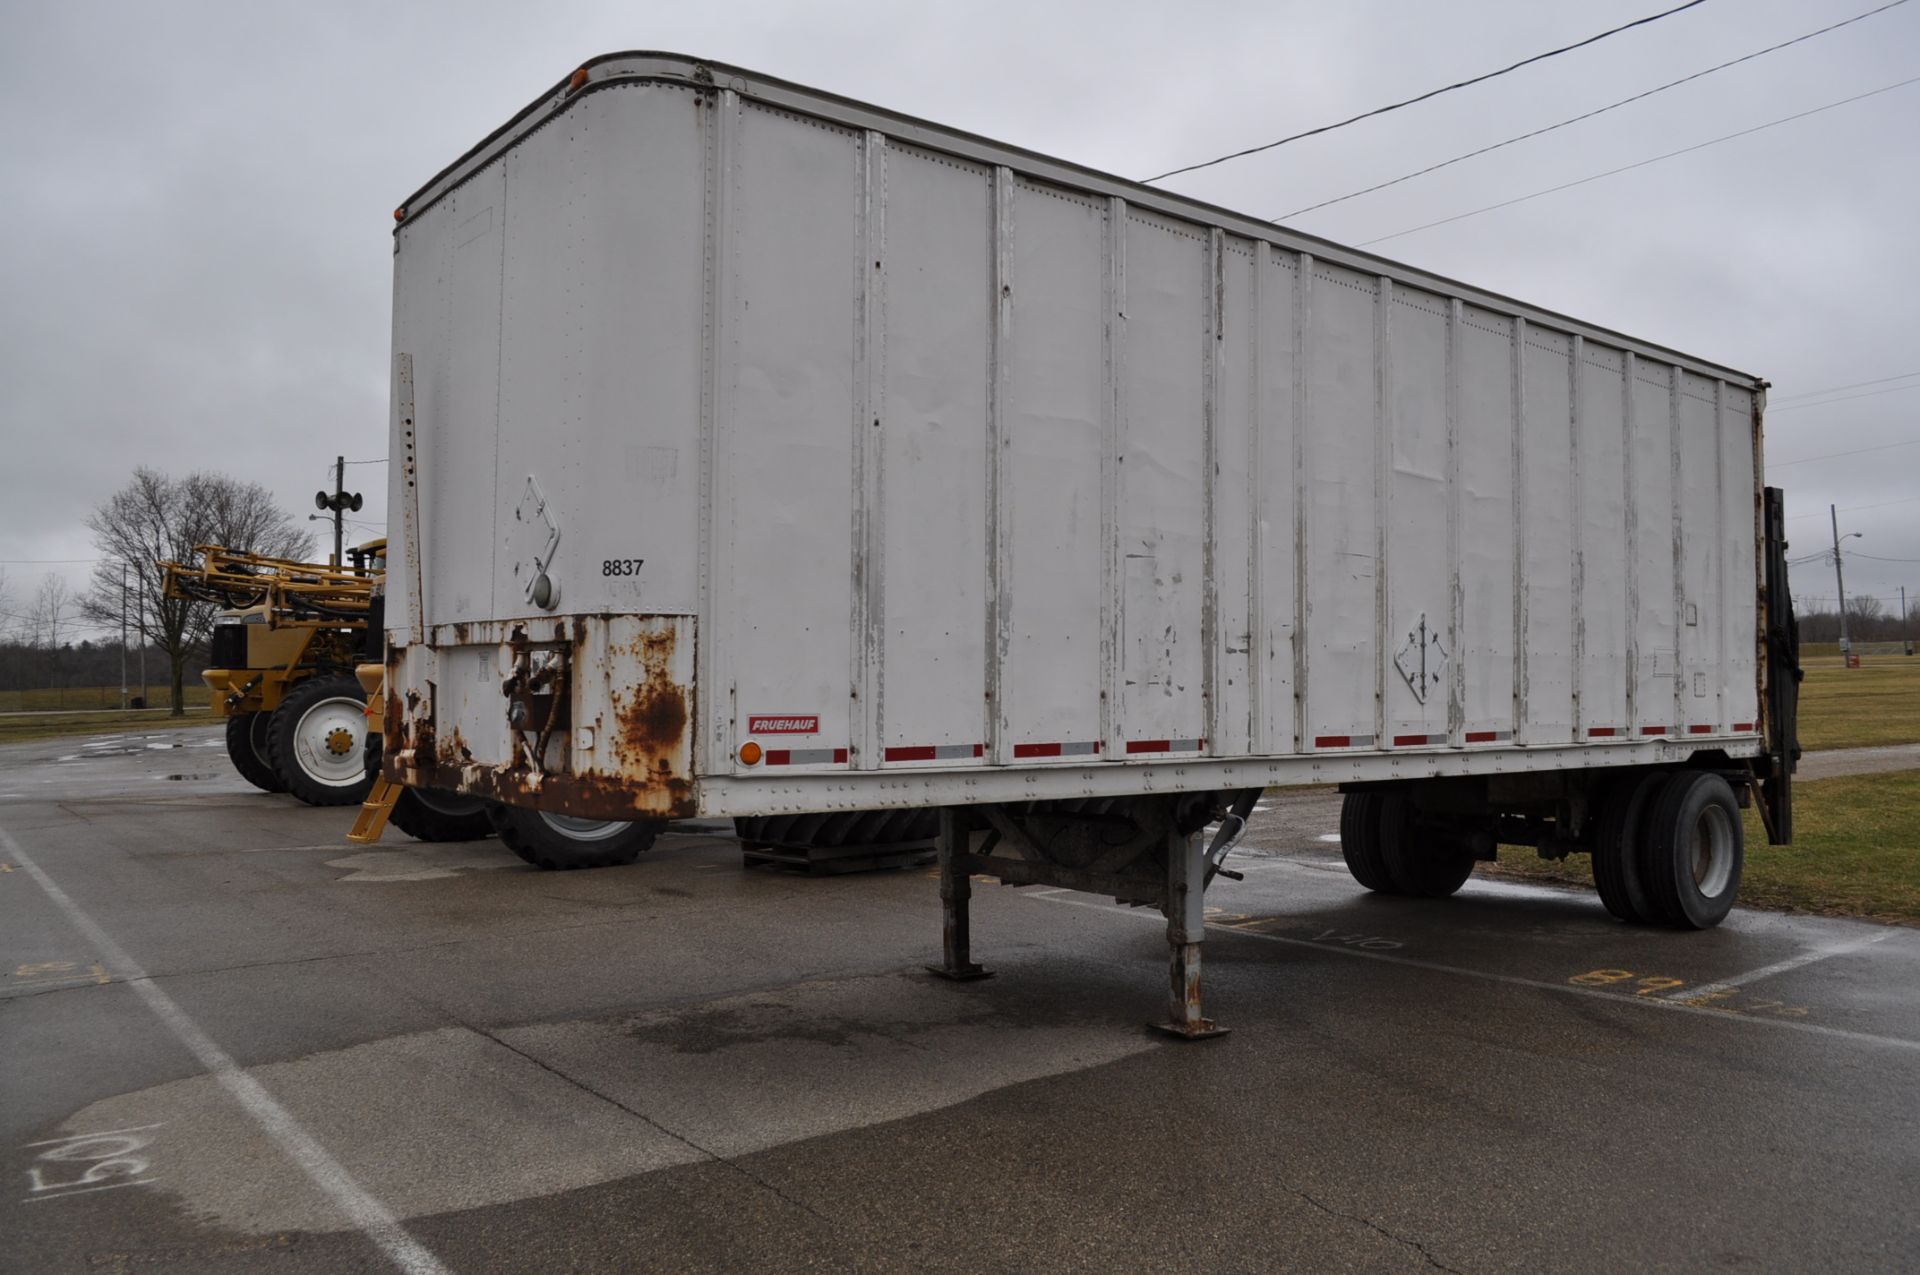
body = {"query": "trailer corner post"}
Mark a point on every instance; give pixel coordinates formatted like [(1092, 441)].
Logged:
[(1186, 927), (956, 891)]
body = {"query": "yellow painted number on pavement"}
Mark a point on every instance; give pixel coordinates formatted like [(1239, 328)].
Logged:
[(1650, 986)]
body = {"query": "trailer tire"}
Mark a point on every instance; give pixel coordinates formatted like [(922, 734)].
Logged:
[(1432, 868), (250, 751), (835, 831), (559, 843), (429, 814), (1360, 841), (1695, 850), (318, 741), (1619, 845)]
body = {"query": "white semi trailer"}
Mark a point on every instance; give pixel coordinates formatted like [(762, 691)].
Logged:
[(767, 454)]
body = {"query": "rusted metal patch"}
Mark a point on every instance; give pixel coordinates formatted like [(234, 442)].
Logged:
[(651, 715), (591, 716), (588, 796)]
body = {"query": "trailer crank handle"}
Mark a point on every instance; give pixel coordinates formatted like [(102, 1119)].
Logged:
[(1232, 827)]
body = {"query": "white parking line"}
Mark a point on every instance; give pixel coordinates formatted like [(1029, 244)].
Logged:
[(1515, 980), (1778, 967), (366, 1213)]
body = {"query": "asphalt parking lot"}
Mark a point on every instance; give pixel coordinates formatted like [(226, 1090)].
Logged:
[(234, 1042)]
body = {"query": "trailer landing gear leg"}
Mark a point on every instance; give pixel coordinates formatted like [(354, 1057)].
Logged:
[(1186, 927), (956, 888)]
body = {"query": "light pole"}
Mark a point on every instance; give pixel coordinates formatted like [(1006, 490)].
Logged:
[(145, 642), (123, 636), (1839, 580)]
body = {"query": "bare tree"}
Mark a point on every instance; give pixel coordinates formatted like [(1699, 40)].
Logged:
[(1865, 609), (51, 603), (155, 519)]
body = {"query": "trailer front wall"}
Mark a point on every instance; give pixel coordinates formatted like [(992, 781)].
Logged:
[(962, 469)]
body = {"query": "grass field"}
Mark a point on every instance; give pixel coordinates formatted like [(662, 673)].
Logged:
[(1871, 650), (1856, 852), (1877, 703), (31, 726), (77, 698), (50, 714)]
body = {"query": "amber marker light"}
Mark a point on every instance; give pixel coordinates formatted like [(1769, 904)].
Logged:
[(750, 753), (578, 81)]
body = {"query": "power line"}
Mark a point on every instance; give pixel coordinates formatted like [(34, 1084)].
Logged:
[(1625, 101), (1611, 172), (1835, 389), (1855, 553), (1846, 398), (1430, 93), (1904, 500), (1858, 451)]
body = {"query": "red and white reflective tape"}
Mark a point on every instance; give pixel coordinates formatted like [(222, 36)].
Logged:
[(1343, 741), (1655, 730), (1746, 727), (805, 756), (1418, 741), (1489, 737), (1072, 748), (1698, 729), (1164, 745), (935, 752), (1603, 732)]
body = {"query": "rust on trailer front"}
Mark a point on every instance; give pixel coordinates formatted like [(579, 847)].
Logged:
[(652, 715), (593, 717)]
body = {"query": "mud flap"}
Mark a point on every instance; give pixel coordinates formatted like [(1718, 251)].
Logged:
[(1783, 680)]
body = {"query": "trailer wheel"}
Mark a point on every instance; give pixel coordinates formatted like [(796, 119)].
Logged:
[(428, 814), (318, 739), (857, 828), (1619, 842), (249, 751), (1360, 841), (1431, 867), (560, 842), (1695, 850)]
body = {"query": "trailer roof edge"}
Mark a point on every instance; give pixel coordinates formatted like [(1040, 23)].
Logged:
[(612, 70)]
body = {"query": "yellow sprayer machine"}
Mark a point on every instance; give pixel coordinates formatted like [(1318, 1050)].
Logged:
[(285, 646), (284, 643)]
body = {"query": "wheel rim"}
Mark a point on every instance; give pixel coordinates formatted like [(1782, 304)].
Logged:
[(583, 829), (329, 742), (1713, 841)]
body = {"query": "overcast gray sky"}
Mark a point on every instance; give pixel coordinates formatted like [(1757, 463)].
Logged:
[(195, 254)]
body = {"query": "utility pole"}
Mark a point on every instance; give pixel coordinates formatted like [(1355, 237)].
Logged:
[(337, 502), (123, 636), (339, 482), (1840, 583), (1906, 620)]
